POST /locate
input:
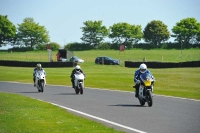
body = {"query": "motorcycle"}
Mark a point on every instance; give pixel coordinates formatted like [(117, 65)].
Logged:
[(146, 89), (40, 80), (79, 82)]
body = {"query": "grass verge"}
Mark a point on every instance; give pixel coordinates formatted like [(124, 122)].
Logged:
[(20, 114)]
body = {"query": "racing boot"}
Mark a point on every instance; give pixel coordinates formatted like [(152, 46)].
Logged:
[(34, 83), (136, 94), (73, 86), (136, 91)]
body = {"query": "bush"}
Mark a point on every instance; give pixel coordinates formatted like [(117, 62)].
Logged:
[(104, 46), (53, 46), (78, 46), (20, 49)]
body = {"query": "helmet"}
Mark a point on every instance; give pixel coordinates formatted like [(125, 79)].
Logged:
[(39, 66), (77, 68), (143, 68)]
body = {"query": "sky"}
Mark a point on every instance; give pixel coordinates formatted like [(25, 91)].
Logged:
[(63, 19)]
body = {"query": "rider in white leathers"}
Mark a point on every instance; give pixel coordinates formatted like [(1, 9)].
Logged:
[(77, 68), (38, 68)]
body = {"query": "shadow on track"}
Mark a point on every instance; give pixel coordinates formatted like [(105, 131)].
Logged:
[(127, 105), (66, 94), (28, 92)]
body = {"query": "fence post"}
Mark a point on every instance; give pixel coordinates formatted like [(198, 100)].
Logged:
[(26, 54), (11, 54), (144, 60)]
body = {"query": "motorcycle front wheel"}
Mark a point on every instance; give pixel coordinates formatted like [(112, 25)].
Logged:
[(149, 98), (81, 88), (41, 86)]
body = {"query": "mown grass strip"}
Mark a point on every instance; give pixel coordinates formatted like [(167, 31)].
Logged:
[(180, 82), (159, 55)]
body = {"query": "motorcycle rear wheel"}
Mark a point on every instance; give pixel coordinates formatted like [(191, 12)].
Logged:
[(149, 98), (142, 102), (76, 90)]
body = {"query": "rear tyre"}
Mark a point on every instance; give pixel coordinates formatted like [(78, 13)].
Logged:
[(76, 90), (149, 98), (142, 102)]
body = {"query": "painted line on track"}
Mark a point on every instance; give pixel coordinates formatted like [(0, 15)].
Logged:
[(98, 118)]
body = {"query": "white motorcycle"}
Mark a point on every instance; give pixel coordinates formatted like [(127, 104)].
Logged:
[(79, 82), (40, 80), (146, 89)]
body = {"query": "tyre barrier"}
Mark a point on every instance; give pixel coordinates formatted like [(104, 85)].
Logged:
[(163, 64), (33, 64), (127, 64)]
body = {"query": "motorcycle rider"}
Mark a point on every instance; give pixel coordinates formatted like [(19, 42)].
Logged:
[(142, 69), (36, 69), (77, 68)]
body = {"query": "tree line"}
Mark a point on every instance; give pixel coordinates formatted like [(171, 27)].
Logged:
[(30, 35)]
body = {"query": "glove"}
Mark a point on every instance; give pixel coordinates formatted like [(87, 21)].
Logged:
[(138, 82)]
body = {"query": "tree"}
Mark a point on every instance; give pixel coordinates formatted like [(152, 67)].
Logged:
[(156, 32), (125, 33), (31, 33), (187, 31), (93, 32), (7, 31), (198, 38)]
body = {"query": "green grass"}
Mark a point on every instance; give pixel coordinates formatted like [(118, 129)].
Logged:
[(20, 114), (180, 82), (132, 55)]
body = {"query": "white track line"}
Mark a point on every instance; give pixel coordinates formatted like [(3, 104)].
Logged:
[(98, 118)]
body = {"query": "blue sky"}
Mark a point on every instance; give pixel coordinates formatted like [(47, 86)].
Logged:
[(63, 18)]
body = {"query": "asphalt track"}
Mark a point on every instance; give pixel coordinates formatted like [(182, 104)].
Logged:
[(120, 110)]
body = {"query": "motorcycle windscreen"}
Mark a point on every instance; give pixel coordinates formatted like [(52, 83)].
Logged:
[(78, 73), (146, 78)]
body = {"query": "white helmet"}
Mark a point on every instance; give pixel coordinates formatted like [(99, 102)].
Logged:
[(143, 68), (39, 66), (77, 68)]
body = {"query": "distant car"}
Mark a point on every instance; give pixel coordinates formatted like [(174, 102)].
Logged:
[(106, 60), (76, 59)]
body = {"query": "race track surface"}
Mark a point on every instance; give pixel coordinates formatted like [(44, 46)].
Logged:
[(120, 110)]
